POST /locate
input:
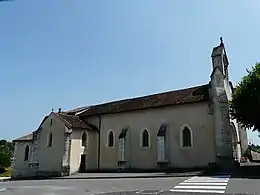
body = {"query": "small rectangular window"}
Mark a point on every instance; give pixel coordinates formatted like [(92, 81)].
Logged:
[(49, 140), (210, 109)]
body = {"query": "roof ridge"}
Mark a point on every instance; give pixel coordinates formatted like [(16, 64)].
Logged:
[(68, 115), (77, 109), (26, 137)]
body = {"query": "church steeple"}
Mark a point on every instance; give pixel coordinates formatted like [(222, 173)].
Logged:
[(219, 58), (220, 96)]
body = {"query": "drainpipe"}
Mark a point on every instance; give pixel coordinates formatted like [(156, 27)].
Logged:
[(99, 129)]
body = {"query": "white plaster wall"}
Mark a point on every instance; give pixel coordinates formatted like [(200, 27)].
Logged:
[(194, 115), (76, 150), (51, 158)]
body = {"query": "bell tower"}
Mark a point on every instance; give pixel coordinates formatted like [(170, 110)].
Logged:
[(219, 85)]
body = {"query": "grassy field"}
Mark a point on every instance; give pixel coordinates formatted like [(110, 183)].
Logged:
[(7, 173)]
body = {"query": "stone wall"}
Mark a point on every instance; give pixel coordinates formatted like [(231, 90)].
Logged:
[(14, 154), (66, 154), (255, 155), (243, 139), (35, 147)]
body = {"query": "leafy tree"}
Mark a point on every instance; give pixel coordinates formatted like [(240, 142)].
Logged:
[(6, 153), (2, 142), (5, 160), (245, 104)]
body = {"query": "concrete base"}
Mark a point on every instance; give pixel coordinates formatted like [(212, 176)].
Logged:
[(48, 174), (65, 171), (4, 179)]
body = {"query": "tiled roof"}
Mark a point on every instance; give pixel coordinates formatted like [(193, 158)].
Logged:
[(25, 138), (74, 121), (182, 96)]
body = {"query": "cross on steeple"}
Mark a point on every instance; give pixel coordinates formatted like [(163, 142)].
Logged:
[(221, 41)]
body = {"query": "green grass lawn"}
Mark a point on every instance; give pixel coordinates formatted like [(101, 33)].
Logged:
[(7, 173)]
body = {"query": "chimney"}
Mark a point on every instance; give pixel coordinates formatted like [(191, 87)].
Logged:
[(59, 110)]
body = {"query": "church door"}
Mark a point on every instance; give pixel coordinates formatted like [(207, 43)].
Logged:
[(82, 167)]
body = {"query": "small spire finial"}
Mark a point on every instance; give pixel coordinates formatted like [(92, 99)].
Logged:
[(52, 110), (221, 41)]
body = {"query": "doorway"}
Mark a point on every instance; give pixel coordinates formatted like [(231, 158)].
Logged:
[(82, 167)]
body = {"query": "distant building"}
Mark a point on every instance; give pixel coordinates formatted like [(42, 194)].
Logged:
[(185, 128)]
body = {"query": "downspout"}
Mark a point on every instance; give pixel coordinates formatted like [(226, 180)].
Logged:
[(99, 129)]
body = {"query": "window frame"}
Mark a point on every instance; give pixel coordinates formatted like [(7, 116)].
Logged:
[(25, 152), (108, 139), (141, 138), (181, 136), (49, 144)]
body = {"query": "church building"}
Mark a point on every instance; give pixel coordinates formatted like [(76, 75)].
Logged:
[(185, 128)]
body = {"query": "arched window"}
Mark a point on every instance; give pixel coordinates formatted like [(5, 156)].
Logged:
[(26, 153), (84, 139), (186, 137), (145, 142), (110, 140), (50, 140)]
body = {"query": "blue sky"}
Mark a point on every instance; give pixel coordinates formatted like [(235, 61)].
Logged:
[(73, 53)]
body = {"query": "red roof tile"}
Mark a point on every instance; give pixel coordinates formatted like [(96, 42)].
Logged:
[(75, 121), (182, 96)]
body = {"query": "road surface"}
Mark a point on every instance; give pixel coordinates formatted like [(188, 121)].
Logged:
[(137, 186)]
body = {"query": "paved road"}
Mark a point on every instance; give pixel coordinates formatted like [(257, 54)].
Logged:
[(214, 185)]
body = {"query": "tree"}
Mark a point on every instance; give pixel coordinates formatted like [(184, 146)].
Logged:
[(245, 104), (5, 160), (6, 153)]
